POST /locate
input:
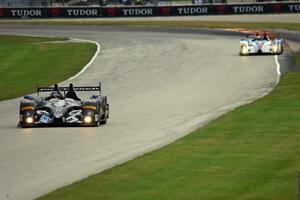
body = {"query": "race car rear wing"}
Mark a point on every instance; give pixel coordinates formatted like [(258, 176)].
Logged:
[(270, 35), (65, 89)]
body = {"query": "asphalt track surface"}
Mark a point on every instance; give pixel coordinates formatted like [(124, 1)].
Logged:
[(161, 84)]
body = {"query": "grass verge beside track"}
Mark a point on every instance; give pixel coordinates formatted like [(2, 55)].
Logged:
[(249, 153), (26, 61)]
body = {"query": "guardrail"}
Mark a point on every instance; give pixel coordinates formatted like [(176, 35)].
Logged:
[(149, 11)]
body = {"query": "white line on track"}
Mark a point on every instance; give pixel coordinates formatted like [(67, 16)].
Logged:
[(277, 69), (278, 75), (91, 61)]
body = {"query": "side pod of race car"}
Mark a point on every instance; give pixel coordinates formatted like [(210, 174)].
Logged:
[(261, 44), (67, 109)]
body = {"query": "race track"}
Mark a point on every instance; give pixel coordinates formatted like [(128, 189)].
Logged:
[(161, 83)]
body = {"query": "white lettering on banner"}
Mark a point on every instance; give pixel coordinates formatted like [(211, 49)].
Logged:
[(30, 13), (295, 7), (248, 9), (137, 11), (191, 10), (82, 12)]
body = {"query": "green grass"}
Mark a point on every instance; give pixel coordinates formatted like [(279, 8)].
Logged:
[(171, 23), (26, 61), (252, 153)]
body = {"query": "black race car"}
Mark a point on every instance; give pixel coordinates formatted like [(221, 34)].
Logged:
[(64, 109)]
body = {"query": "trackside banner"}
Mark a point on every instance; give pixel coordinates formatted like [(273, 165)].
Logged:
[(149, 11)]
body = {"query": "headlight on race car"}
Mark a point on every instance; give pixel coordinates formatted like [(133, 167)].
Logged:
[(29, 120), (244, 50), (87, 119), (275, 48)]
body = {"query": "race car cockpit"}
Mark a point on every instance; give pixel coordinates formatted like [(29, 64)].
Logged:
[(55, 94), (265, 37)]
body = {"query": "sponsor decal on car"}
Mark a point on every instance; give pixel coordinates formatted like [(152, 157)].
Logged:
[(45, 119), (90, 107), (27, 108)]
